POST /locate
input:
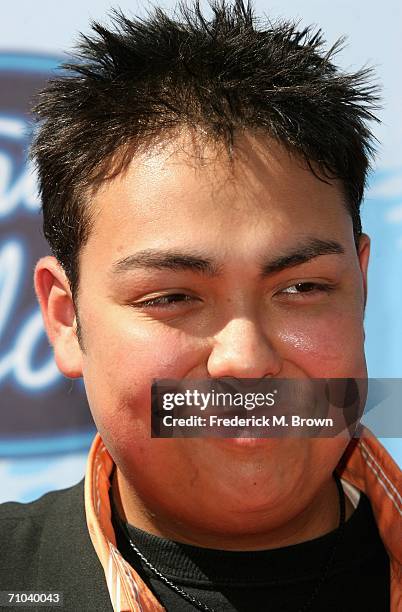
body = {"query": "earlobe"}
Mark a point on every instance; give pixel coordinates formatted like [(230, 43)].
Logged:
[(58, 312), (364, 256)]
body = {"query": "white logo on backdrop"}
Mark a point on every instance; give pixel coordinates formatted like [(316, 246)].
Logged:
[(19, 192)]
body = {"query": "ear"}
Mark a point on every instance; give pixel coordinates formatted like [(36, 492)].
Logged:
[(364, 255), (55, 299)]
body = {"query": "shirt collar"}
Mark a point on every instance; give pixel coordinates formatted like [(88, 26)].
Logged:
[(128, 592), (365, 465)]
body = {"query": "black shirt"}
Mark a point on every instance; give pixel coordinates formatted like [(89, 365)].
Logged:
[(279, 580)]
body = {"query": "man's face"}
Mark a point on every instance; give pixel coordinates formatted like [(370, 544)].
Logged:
[(150, 308)]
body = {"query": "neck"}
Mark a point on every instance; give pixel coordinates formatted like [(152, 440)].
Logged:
[(318, 518)]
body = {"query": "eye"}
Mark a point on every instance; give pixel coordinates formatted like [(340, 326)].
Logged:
[(164, 301), (307, 287)]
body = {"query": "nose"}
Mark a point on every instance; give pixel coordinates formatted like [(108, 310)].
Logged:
[(242, 350)]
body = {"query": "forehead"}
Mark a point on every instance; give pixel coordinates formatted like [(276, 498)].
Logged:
[(182, 191)]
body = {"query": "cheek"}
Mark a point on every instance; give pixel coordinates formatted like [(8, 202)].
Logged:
[(120, 365), (330, 345)]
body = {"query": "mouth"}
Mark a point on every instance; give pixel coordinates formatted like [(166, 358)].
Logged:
[(247, 447)]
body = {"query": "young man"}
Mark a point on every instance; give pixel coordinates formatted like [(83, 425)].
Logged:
[(201, 183)]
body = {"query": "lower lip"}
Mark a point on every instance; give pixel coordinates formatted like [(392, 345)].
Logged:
[(242, 443)]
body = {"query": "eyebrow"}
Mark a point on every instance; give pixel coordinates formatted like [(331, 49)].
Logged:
[(168, 259), (302, 254)]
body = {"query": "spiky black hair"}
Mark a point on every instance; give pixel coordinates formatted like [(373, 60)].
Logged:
[(224, 74)]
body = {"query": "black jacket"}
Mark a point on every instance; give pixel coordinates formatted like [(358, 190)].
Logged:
[(45, 546)]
